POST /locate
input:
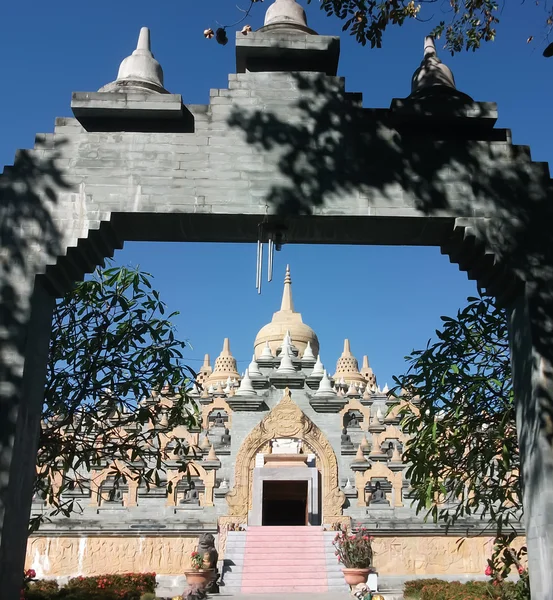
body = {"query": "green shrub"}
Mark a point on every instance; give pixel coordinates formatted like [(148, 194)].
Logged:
[(129, 586), (139, 582), (437, 589), (148, 596), (43, 589), (413, 588)]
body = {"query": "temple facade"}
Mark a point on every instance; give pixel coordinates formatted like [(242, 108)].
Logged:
[(286, 443)]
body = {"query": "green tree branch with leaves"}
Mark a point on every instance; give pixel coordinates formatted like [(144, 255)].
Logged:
[(456, 403), (116, 387), (462, 24)]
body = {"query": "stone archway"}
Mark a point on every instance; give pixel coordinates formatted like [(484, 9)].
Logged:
[(287, 420)]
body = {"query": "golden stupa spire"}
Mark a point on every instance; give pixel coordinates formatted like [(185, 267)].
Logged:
[(287, 301)]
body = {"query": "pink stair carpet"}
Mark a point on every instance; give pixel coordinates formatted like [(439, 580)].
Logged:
[(284, 559)]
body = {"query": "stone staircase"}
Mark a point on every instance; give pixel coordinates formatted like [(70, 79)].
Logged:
[(265, 560)]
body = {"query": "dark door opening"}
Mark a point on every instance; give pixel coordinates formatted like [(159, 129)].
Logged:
[(284, 503)]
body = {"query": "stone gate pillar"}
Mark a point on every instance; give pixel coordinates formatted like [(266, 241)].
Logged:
[(25, 327), (533, 386)]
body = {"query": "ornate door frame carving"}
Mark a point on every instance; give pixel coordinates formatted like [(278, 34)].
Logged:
[(286, 420)]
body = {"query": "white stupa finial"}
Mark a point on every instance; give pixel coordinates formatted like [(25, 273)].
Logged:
[(352, 390), (246, 387), (140, 71), (253, 368), (325, 387), (286, 13), (286, 366), (308, 353), (432, 73), (266, 353), (318, 369), (429, 46)]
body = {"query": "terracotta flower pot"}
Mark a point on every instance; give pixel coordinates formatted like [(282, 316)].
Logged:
[(201, 577), (356, 576)]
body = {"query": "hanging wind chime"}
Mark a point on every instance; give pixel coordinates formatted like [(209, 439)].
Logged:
[(274, 236)]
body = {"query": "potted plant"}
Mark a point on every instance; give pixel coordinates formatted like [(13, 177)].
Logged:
[(355, 552), (200, 574)]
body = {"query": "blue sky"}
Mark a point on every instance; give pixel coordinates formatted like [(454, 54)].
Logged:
[(387, 300)]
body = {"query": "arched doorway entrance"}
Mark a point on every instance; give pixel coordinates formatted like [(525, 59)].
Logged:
[(317, 469)]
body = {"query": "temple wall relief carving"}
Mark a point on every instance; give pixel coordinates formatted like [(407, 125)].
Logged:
[(433, 555), (63, 556)]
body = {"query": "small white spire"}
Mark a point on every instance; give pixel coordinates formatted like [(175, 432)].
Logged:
[(286, 344), (352, 390), (396, 456), (211, 389), (253, 368), (348, 485), (308, 353), (385, 389), (287, 303), (318, 369), (379, 415), (246, 387), (267, 354), (286, 366), (432, 72), (286, 12), (325, 387), (140, 71)]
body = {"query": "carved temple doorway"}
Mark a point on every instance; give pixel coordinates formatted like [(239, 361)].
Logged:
[(286, 472), (285, 503)]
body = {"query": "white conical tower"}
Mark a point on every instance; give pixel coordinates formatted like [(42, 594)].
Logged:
[(433, 76), (139, 72), (286, 13), (286, 347), (308, 355), (266, 354), (352, 391), (253, 368), (325, 387), (318, 369), (286, 366), (396, 456), (246, 387)]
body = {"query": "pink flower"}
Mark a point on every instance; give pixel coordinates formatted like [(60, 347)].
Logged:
[(488, 571), (521, 570)]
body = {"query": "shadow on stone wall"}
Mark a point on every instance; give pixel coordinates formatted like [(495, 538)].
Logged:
[(454, 163), (28, 196)]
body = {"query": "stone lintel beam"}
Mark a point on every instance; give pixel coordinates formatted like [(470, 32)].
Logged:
[(287, 51), (132, 111)]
